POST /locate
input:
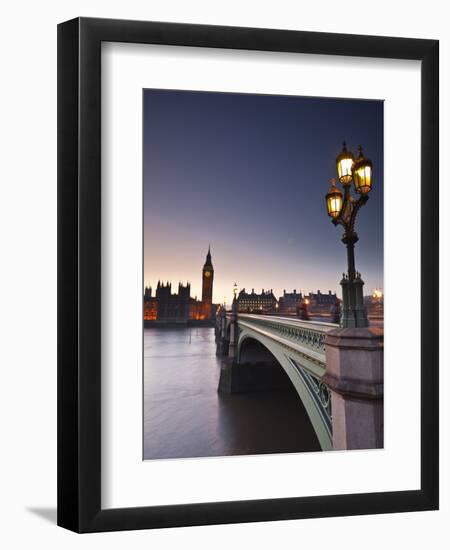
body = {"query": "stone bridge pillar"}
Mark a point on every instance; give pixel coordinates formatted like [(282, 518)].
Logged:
[(354, 374), (221, 335), (234, 331), (228, 381)]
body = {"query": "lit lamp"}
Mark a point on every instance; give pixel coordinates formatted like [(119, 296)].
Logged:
[(362, 174), (344, 163), (334, 200), (304, 314), (235, 290), (343, 209)]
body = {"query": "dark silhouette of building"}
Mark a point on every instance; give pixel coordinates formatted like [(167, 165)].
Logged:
[(296, 303), (150, 305), (321, 303), (290, 302), (257, 303), (173, 308), (180, 308)]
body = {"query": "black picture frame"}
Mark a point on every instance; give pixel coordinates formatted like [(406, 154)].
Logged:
[(79, 274)]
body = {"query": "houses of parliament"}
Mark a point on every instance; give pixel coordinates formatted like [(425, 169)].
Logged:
[(179, 308)]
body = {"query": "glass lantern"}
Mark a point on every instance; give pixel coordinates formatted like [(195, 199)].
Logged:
[(362, 174), (344, 164), (334, 200)]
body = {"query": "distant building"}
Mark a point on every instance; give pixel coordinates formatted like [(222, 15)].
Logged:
[(180, 308), (257, 303), (321, 302), (150, 305), (173, 308), (290, 302)]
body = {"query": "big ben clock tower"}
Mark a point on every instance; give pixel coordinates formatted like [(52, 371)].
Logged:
[(207, 286)]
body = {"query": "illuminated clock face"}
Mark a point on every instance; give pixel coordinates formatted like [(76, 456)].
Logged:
[(207, 274)]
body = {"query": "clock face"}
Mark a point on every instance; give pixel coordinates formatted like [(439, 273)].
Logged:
[(207, 274)]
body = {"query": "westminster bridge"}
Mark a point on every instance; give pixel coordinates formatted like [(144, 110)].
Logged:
[(337, 373)]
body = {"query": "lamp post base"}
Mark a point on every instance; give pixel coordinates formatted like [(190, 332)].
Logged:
[(354, 314)]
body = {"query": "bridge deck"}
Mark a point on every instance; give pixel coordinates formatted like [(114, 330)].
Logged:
[(306, 338)]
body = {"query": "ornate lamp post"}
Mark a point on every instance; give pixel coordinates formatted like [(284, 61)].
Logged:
[(343, 209), (234, 333), (235, 292), (234, 306)]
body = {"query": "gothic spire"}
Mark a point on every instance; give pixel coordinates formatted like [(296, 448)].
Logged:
[(208, 257)]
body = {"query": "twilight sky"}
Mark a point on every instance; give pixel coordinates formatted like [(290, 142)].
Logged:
[(248, 174)]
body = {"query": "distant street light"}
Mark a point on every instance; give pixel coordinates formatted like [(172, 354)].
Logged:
[(235, 291), (343, 209), (377, 294), (304, 313)]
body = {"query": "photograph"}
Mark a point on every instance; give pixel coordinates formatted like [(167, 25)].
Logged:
[(229, 221), (263, 273)]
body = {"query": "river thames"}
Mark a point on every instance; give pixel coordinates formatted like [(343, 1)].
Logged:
[(185, 416)]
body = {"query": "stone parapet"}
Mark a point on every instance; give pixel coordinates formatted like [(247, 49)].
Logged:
[(354, 374)]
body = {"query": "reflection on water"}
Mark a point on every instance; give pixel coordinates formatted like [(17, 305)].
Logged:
[(185, 416)]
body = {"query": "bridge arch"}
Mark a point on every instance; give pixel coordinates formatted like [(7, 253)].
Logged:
[(255, 347), (251, 351), (259, 369)]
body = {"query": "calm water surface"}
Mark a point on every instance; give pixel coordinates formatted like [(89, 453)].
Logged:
[(185, 416)]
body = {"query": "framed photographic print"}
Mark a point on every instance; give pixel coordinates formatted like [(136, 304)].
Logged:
[(248, 275)]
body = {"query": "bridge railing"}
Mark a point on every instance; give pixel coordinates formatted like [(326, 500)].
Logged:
[(310, 334)]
